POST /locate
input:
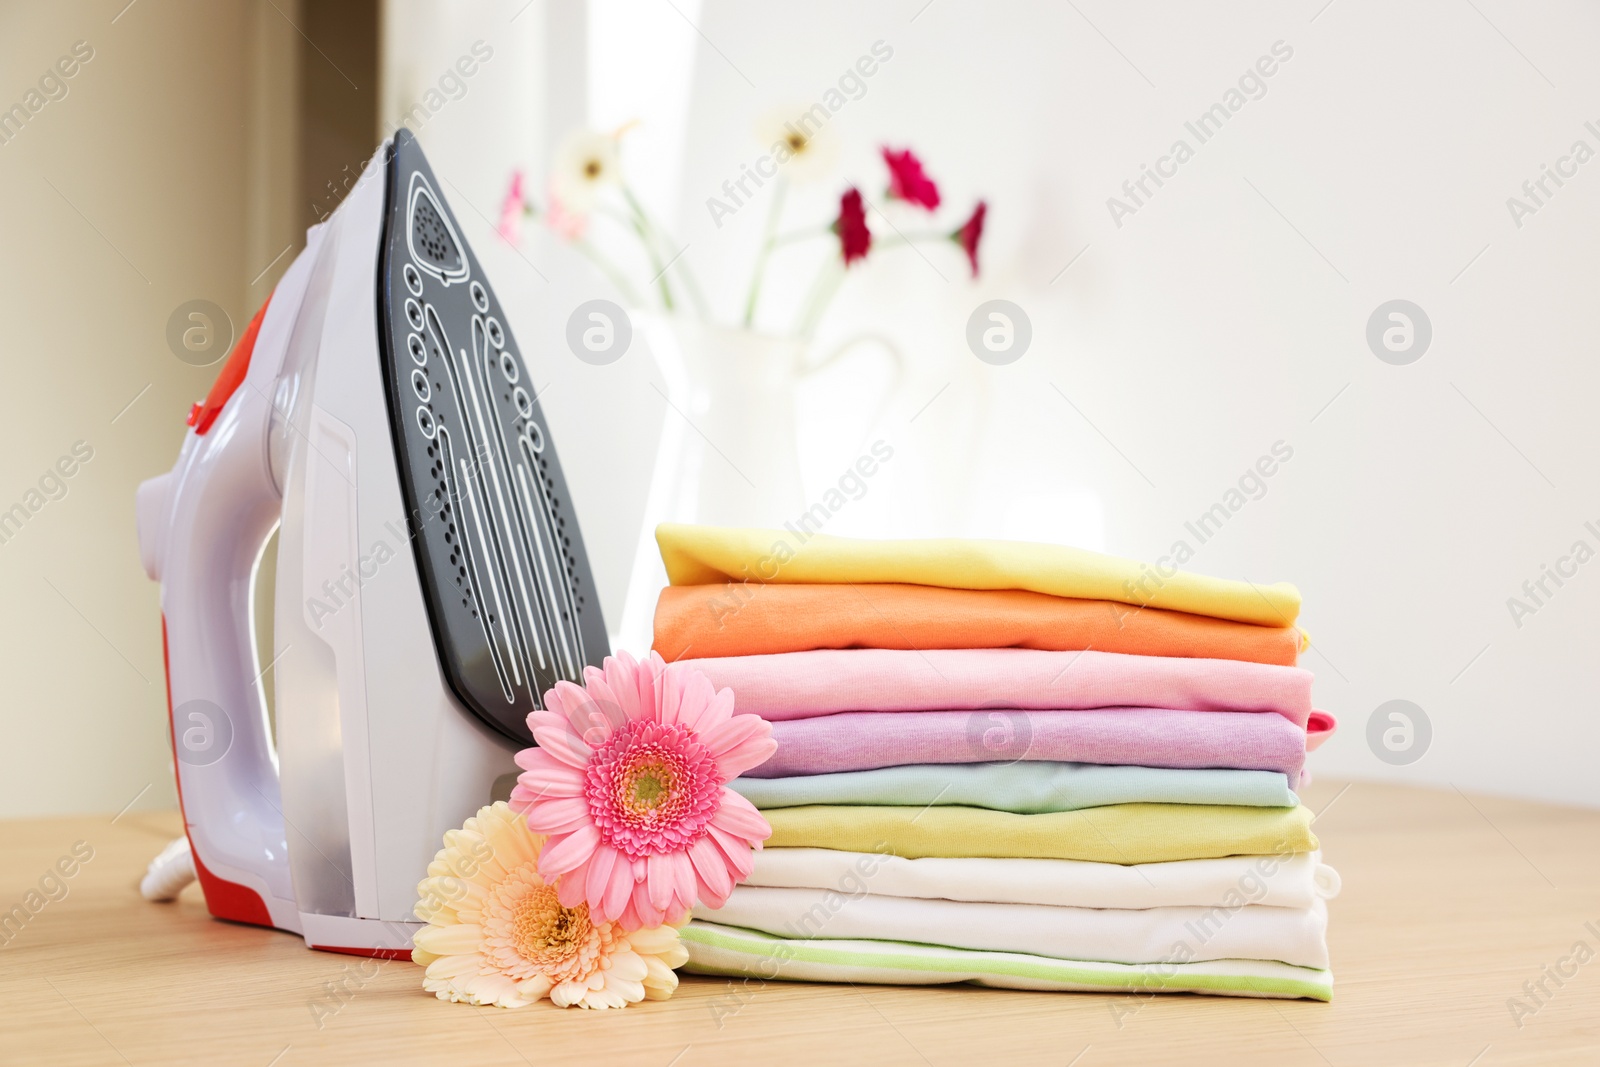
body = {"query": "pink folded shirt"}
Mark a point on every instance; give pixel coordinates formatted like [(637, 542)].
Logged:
[(800, 685), (1147, 737)]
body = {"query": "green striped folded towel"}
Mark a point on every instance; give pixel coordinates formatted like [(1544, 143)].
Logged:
[(729, 950)]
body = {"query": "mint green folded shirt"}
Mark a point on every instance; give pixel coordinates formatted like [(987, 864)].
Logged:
[(1023, 788)]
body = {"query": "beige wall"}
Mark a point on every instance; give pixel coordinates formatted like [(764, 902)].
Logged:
[(153, 181), (184, 161)]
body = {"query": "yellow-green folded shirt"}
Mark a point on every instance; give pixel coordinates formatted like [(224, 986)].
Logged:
[(1118, 833), (701, 555)]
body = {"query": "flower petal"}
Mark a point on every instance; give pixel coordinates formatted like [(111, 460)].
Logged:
[(737, 852), (648, 683), (719, 708), (669, 696), (628, 990), (569, 890), (600, 714), (536, 987), (598, 878), (522, 797), (660, 879), (534, 758), (686, 885), (739, 743), (641, 911), (747, 756), (567, 994), (557, 815), (490, 988), (697, 705), (618, 889), (661, 982), (738, 816), (563, 854), (587, 712), (444, 968), (564, 745), (551, 778), (715, 879), (620, 679), (548, 717), (455, 940), (627, 965), (677, 957), (511, 841), (651, 941)]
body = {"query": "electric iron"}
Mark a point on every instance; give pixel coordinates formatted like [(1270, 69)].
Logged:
[(431, 585)]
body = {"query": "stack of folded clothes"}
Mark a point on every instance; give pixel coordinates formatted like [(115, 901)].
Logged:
[(1019, 765)]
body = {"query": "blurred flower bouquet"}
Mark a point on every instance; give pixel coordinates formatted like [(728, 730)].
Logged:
[(735, 375), (586, 188)]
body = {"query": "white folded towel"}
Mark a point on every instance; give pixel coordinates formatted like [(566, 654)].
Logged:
[(1292, 880), (1296, 936)]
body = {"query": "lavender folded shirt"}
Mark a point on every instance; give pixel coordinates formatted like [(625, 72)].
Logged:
[(1146, 737), (800, 685)]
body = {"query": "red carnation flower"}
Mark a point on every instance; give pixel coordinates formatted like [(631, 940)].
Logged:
[(970, 233), (906, 180), (854, 237)]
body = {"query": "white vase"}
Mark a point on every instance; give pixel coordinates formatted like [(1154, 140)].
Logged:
[(728, 453)]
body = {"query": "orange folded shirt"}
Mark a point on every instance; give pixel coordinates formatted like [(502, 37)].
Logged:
[(699, 621)]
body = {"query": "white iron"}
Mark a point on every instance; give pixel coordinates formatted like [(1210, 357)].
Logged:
[(431, 579)]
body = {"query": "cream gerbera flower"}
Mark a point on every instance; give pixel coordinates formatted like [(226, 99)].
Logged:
[(797, 137), (585, 162), (496, 933)]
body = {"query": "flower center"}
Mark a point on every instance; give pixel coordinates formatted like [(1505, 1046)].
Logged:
[(797, 143), (545, 933), (592, 169), (653, 785), (652, 788)]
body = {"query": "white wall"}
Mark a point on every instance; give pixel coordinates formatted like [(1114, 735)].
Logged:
[(1227, 313)]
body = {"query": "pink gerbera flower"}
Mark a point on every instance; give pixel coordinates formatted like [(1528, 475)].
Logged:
[(629, 782), (907, 181), (512, 209), (564, 221)]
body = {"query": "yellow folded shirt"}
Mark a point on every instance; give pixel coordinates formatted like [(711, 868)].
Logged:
[(1117, 833), (702, 555)]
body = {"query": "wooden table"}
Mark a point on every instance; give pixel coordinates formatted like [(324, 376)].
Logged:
[(1451, 903)]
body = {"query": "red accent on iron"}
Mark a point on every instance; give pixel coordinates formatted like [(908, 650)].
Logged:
[(224, 899), (375, 953), (232, 374), (230, 900), (194, 414)]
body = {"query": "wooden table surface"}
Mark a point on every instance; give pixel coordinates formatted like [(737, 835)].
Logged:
[(1450, 904)]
